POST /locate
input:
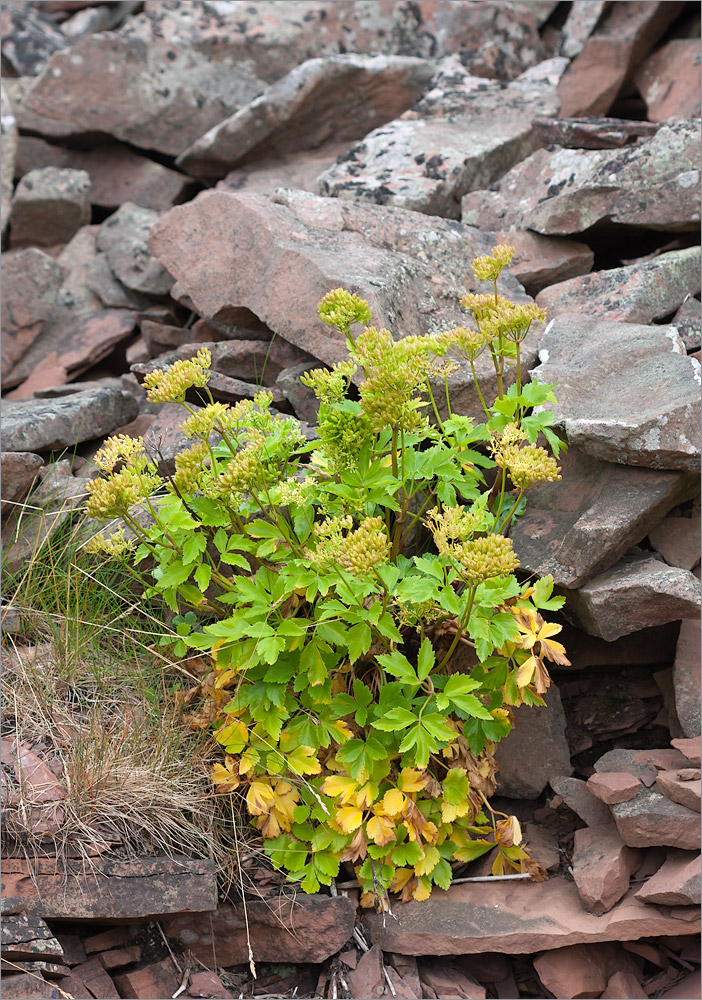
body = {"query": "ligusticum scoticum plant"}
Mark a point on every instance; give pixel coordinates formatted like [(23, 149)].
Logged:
[(357, 594)]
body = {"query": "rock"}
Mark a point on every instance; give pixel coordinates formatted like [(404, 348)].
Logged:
[(688, 322), (29, 39), (652, 820), (36, 425), (634, 595), (613, 786), (591, 133), (582, 525), (26, 937), (542, 260), (28, 987), (515, 918), (676, 883), (208, 984), (159, 338), (686, 988), (154, 980), (541, 841), (31, 280), (624, 986), (311, 930), (297, 170), (445, 980), (8, 132), (582, 20), (113, 938), (410, 267), (253, 361), (669, 81), (49, 206), (578, 797), (677, 540), (626, 35), (640, 293), (334, 99), (92, 975), (124, 238), (367, 979), (646, 409), (566, 191), (690, 748), (301, 397), (119, 957), (679, 789), (150, 888), (602, 866), (642, 764), (581, 970), (117, 173), (686, 677), (537, 736), (463, 134)]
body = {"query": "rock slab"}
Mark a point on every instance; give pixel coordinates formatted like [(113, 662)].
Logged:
[(52, 424)]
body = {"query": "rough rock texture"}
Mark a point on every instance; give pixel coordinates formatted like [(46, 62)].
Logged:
[(669, 81), (641, 293), (688, 322), (26, 936), (581, 22), (156, 979), (539, 737), (31, 280), (690, 748), (676, 883), (623, 986), (542, 260), (581, 970), (124, 238), (462, 135), (333, 99), (19, 472), (108, 890), (580, 526), (29, 39), (515, 918), (314, 929), (654, 183), (677, 540), (49, 206), (298, 170), (635, 594), (578, 797), (631, 418), (652, 820), (679, 787), (613, 786), (8, 132), (686, 676), (591, 133), (38, 425), (602, 866)]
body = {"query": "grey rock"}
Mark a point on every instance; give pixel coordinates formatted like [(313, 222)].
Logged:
[(578, 797), (49, 206), (633, 595), (301, 397), (580, 526), (537, 736), (581, 22), (38, 425), (688, 322), (677, 540), (29, 39), (654, 183), (686, 677), (652, 820), (123, 238), (334, 99), (591, 133), (647, 405), (8, 131), (19, 471), (462, 135), (70, 388), (540, 261)]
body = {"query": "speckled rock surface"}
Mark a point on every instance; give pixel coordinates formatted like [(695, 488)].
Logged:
[(654, 183), (123, 238), (8, 131), (647, 404), (669, 81), (49, 206), (591, 132), (651, 820), (688, 321), (20, 470), (45, 425), (31, 280), (687, 675)]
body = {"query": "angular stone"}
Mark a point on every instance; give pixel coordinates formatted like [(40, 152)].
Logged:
[(92, 975), (613, 786), (602, 866), (541, 842), (690, 748), (578, 797), (38, 425), (652, 820), (155, 980), (25, 937), (439, 979), (590, 133), (583, 524), (29, 986), (676, 883), (677, 540), (624, 986), (301, 397), (688, 322), (49, 206), (581, 970), (641, 293), (515, 918), (252, 361), (654, 183), (20, 470), (124, 238), (582, 20), (542, 260), (669, 81), (463, 134), (208, 984), (367, 979), (686, 676), (646, 409), (107, 890), (686, 988), (310, 930), (611, 53), (643, 764), (679, 789), (633, 595), (8, 132), (296, 170), (31, 280), (29, 39), (537, 736), (333, 99)]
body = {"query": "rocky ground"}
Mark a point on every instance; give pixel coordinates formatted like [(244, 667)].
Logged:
[(184, 173)]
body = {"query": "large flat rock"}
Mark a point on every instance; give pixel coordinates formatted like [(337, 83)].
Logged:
[(52, 424), (626, 393), (516, 918)]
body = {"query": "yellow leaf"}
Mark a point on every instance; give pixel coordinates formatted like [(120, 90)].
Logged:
[(259, 798), (235, 735), (428, 863), (393, 801), (223, 778), (225, 677), (303, 760), (366, 795), (411, 780), (269, 826), (400, 879), (526, 672), (340, 785), (285, 799), (381, 830), (349, 818), (451, 812), (342, 730), (423, 890)]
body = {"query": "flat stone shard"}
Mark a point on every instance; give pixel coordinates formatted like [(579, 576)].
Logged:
[(676, 883), (677, 540), (31, 281), (463, 134), (688, 322), (333, 99), (624, 986), (124, 239), (582, 970), (515, 918), (578, 797), (20, 470), (686, 677), (634, 595), (49, 207), (582, 525), (311, 930), (647, 405), (653, 820), (591, 133), (678, 788), (654, 183), (25, 936), (613, 786), (669, 81), (640, 293), (581, 22), (538, 736), (49, 425), (602, 866)]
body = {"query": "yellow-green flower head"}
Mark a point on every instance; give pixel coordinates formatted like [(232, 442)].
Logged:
[(341, 309), (469, 343), (120, 448), (358, 552), (489, 268), (244, 470), (115, 546), (111, 497), (343, 435), (330, 385), (171, 384), (502, 253), (513, 321), (454, 526), (527, 464), (192, 468), (492, 555), (395, 372), (203, 422)]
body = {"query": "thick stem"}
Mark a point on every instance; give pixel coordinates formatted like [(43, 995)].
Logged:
[(477, 388)]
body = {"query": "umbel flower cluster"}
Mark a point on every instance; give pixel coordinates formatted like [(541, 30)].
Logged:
[(334, 584)]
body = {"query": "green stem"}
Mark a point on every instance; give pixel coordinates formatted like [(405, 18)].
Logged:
[(459, 632), (503, 482), (505, 523), (433, 406)]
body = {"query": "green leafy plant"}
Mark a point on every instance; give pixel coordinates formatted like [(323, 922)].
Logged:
[(358, 593)]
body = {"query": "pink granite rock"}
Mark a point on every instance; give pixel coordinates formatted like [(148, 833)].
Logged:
[(49, 206), (680, 789), (669, 81), (686, 676), (690, 748), (677, 539), (581, 970), (624, 986)]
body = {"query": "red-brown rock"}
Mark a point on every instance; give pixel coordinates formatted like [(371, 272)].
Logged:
[(49, 207), (581, 970), (578, 797), (296, 170), (539, 737), (676, 787), (602, 866), (544, 260), (669, 81), (676, 883), (677, 539), (156, 980), (686, 677), (613, 786), (31, 281), (591, 133), (114, 938), (688, 988), (93, 975), (8, 131), (651, 819), (367, 979), (624, 986), (20, 470), (25, 937), (208, 984), (690, 748), (444, 980), (28, 987)]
